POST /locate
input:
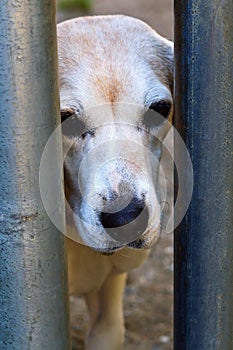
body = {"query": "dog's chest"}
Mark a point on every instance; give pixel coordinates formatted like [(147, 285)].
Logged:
[(88, 270)]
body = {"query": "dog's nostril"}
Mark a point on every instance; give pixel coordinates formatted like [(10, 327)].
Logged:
[(124, 216), (103, 197)]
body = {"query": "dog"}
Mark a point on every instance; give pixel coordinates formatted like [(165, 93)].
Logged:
[(112, 70)]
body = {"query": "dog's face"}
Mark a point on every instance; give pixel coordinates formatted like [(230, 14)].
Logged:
[(112, 70)]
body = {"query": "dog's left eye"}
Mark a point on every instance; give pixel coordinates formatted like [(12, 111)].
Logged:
[(66, 113), (162, 107), (72, 126)]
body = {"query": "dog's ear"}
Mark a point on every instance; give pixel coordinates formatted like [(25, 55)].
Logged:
[(168, 59), (165, 55)]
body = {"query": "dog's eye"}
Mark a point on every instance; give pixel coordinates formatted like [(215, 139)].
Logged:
[(66, 113), (72, 126), (153, 120), (162, 107)]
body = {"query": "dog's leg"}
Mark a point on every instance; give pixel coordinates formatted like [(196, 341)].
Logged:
[(93, 304), (106, 315)]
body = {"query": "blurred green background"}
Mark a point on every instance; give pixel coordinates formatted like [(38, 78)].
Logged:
[(84, 5)]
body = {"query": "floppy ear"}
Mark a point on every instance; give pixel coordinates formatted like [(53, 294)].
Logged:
[(169, 62), (165, 52), (161, 58)]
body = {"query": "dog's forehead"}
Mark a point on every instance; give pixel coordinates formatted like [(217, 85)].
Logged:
[(108, 59), (106, 33)]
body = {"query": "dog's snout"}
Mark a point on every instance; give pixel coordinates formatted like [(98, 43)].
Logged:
[(124, 216)]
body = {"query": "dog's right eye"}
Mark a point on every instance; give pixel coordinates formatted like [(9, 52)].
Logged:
[(162, 109), (72, 126)]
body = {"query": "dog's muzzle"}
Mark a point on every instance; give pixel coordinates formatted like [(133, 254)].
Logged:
[(114, 207)]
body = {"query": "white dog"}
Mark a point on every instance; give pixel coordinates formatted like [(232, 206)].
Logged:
[(112, 70)]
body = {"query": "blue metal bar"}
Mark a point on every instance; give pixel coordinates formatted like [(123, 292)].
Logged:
[(204, 117)]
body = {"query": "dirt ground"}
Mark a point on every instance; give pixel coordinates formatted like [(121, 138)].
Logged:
[(149, 292)]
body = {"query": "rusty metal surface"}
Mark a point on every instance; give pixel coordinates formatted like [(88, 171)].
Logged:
[(33, 293), (204, 116)]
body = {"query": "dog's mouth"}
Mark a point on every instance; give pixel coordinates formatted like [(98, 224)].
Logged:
[(146, 241), (108, 251), (137, 244), (140, 244)]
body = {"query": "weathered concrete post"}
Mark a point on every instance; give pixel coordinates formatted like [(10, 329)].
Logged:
[(33, 293)]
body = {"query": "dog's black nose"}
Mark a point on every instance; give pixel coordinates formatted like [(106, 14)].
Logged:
[(128, 223), (124, 216)]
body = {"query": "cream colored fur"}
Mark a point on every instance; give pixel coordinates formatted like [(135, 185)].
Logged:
[(113, 62)]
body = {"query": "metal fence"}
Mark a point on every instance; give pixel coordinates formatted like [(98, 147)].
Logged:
[(33, 293), (204, 116)]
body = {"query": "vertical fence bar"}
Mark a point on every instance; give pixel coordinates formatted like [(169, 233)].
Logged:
[(33, 294), (204, 116)]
